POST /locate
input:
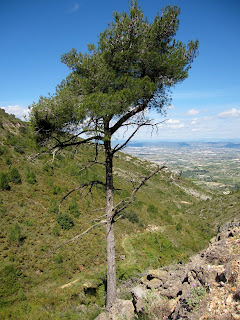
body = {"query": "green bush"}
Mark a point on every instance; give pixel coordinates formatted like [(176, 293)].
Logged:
[(131, 216), (73, 208), (4, 180), (56, 189), (19, 149), (11, 139), (31, 177), (22, 130), (8, 161), (197, 294), (48, 169), (15, 234), (53, 206), (179, 227), (126, 272), (55, 231), (9, 284), (152, 210), (58, 258), (15, 176), (65, 221), (165, 211)]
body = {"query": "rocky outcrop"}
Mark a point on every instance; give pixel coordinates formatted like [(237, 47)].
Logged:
[(208, 287), (122, 309)]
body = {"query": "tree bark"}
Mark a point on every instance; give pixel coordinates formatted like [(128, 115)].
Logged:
[(111, 266)]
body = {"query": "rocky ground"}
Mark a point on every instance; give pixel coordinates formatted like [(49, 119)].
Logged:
[(207, 287)]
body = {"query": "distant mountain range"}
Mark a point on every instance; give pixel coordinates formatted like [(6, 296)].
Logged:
[(177, 144)]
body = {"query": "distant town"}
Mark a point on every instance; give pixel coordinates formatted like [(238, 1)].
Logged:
[(215, 165)]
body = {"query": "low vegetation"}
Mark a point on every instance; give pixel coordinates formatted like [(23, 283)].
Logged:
[(163, 225)]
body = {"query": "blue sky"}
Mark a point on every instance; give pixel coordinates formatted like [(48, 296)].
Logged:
[(34, 34)]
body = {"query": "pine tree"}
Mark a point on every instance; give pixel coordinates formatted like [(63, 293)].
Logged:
[(130, 71)]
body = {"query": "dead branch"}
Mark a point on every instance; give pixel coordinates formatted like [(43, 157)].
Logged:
[(125, 203), (85, 185), (98, 219), (96, 210), (116, 149), (78, 236), (118, 218)]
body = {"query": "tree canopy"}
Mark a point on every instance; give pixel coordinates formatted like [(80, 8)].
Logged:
[(131, 69)]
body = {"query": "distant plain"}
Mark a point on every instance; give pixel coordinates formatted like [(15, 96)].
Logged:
[(212, 164)]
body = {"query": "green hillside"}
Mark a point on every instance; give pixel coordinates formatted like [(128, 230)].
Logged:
[(167, 222)]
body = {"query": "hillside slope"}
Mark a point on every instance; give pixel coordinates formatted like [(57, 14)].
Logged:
[(207, 287), (165, 224)]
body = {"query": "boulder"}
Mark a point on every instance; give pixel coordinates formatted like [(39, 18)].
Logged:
[(139, 294), (122, 309)]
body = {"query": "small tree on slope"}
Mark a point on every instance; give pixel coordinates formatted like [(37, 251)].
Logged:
[(113, 86)]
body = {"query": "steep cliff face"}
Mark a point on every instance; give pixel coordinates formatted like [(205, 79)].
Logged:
[(208, 287)]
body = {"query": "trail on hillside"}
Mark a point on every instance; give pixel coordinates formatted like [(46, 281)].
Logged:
[(69, 284), (127, 246)]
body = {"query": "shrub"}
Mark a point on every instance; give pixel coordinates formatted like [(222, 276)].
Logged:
[(15, 234), (15, 176), (19, 149), (138, 204), (197, 294), (58, 258), (55, 231), (10, 139), (179, 227), (48, 169), (22, 130), (126, 272), (65, 221), (4, 180), (73, 208), (53, 206), (56, 189), (8, 161), (166, 212), (152, 210), (31, 177), (131, 216), (9, 284)]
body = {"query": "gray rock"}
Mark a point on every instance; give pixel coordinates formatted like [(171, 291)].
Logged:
[(139, 294), (121, 310)]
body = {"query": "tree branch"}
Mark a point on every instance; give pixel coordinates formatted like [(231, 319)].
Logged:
[(78, 236), (128, 115), (127, 203), (99, 218), (91, 184), (64, 145), (116, 149)]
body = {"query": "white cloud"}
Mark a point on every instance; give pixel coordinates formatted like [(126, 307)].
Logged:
[(202, 130), (195, 121), (193, 112), (177, 126), (17, 110), (232, 113), (172, 121), (174, 124), (171, 107), (74, 8)]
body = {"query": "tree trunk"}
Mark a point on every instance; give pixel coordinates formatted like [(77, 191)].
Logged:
[(111, 266)]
